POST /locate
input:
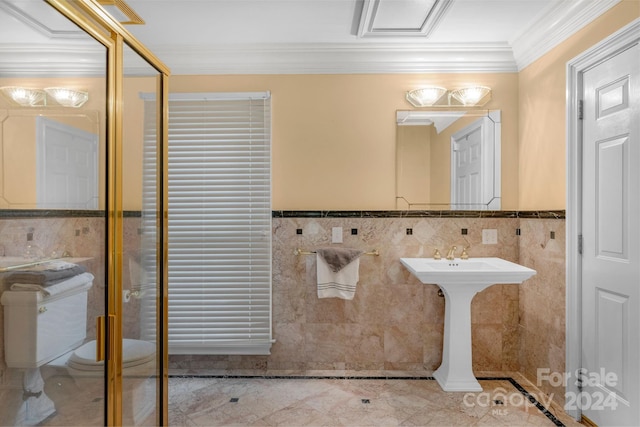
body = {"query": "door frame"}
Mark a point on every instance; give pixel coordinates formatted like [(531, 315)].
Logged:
[(607, 48)]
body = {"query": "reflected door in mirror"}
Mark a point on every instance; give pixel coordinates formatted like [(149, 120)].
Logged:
[(448, 160)]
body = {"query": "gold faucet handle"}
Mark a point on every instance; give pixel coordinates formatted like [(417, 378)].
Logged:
[(451, 255), (436, 254), (464, 254)]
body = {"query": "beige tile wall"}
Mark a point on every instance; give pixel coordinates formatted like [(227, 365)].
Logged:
[(394, 322), (542, 302)]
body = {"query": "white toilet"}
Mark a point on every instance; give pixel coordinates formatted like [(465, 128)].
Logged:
[(48, 332)]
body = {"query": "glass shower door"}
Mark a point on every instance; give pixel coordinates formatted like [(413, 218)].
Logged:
[(53, 217), (80, 195), (141, 159)]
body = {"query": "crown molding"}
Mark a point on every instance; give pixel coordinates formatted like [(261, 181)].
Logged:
[(297, 58), (552, 27), (555, 25), (55, 61), (39, 23), (558, 23)]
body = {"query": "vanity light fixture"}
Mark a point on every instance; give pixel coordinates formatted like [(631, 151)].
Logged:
[(67, 97), (24, 96), (426, 96), (433, 96), (30, 97), (469, 96)]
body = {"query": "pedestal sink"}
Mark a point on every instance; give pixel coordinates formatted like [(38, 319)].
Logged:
[(460, 280)]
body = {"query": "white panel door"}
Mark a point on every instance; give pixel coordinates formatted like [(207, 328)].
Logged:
[(475, 164), (611, 233), (467, 158), (67, 166)]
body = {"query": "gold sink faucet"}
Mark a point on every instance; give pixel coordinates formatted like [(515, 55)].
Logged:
[(452, 253)]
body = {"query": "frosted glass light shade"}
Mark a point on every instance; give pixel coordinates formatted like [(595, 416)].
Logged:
[(470, 95), (426, 96), (25, 97), (67, 97)]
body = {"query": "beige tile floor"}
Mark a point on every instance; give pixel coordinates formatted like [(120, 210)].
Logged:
[(310, 398), (281, 401)]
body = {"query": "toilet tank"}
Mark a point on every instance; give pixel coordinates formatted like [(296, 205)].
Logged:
[(39, 328)]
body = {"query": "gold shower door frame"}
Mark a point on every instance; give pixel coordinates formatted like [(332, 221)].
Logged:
[(93, 19)]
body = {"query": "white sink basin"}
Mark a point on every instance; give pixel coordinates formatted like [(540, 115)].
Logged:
[(480, 271), (460, 280)]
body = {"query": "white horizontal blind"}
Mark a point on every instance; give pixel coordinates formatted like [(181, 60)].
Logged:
[(142, 266), (219, 224)]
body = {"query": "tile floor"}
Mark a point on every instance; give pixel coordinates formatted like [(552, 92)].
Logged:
[(202, 400), (309, 398)]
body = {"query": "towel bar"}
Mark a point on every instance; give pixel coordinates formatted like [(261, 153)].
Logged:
[(299, 251)]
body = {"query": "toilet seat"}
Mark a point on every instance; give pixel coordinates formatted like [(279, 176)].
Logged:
[(134, 353)]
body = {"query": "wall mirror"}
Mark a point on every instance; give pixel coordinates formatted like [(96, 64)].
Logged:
[(52, 110), (448, 160)]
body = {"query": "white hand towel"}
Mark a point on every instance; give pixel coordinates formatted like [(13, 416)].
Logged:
[(341, 284)]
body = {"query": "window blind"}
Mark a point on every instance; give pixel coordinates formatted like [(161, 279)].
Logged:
[(142, 265), (219, 223)]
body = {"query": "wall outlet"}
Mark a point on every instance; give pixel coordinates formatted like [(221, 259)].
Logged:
[(336, 235), (490, 236)]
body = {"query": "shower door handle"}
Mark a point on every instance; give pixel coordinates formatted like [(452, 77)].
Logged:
[(101, 332)]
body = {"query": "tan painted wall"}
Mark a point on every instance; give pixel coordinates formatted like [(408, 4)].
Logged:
[(413, 155), (133, 138), (542, 109), (334, 135)]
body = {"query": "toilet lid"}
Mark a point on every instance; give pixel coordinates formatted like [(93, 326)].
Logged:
[(134, 353)]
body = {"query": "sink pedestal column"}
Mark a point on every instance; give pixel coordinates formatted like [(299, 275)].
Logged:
[(456, 373)]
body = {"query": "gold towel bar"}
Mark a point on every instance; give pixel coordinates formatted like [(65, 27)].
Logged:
[(299, 251)]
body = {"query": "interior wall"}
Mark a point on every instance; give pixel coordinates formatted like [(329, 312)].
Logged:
[(394, 322), (413, 151), (133, 140), (542, 109), (334, 135), (542, 299)]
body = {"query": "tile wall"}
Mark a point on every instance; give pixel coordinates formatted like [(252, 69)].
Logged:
[(542, 302), (394, 322)]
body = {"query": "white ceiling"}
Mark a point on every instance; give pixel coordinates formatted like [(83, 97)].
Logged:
[(310, 36), (325, 36)]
